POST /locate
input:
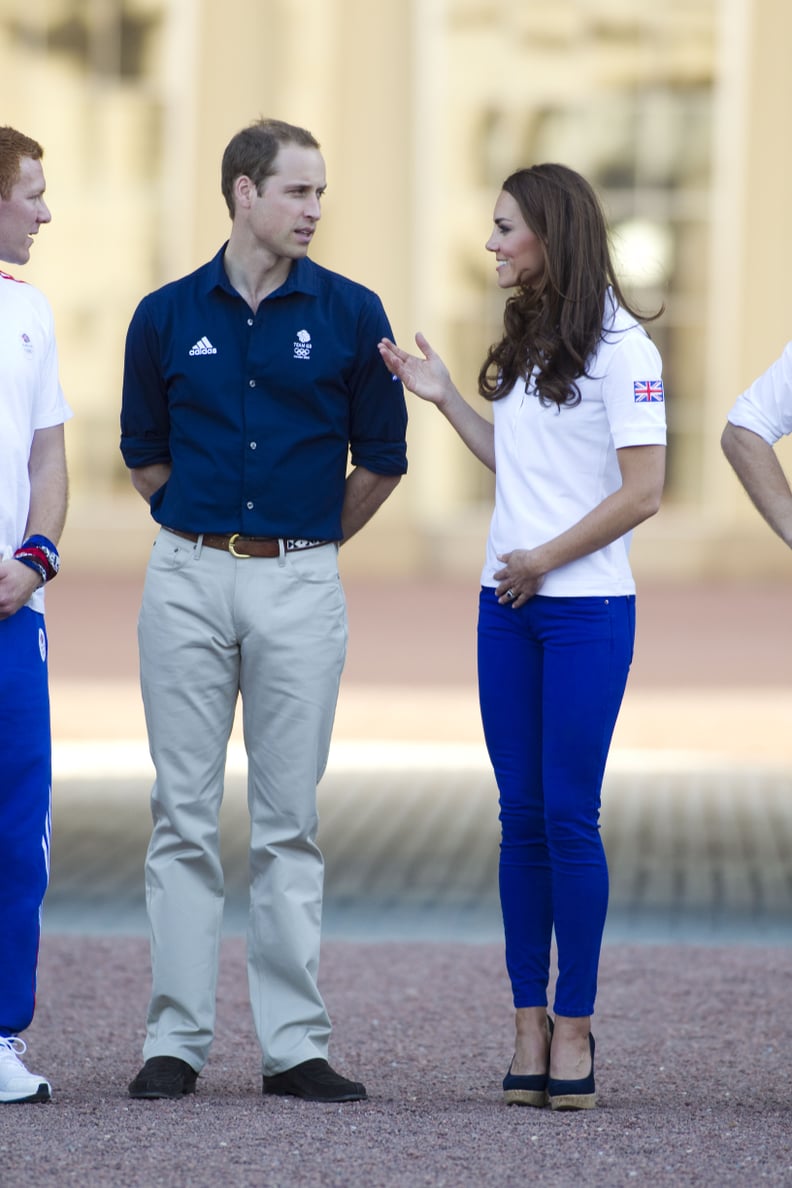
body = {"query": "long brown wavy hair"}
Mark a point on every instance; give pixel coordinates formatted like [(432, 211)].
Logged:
[(554, 326)]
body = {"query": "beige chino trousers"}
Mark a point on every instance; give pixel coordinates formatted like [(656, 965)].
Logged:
[(213, 628)]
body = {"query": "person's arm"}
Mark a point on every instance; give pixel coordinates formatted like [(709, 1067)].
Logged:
[(148, 479), (46, 514), (756, 465), (49, 484), (429, 379), (643, 474), (145, 415), (364, 493)]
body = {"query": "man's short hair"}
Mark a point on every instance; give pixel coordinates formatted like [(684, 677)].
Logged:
[(252, 152), (13, 147)]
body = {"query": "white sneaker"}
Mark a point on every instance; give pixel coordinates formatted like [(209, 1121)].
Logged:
[(16, 1083)]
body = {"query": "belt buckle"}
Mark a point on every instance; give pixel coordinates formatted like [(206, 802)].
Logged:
[(232, 550)]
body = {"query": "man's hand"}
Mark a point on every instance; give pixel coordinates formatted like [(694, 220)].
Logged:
[(17, 583)]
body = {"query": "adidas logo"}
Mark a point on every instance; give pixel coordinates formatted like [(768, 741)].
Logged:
[(203, 347)]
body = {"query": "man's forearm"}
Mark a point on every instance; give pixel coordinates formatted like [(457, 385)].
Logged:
[(148, 479), (758, 469), (49, 484), (46, 515), (365, 493)]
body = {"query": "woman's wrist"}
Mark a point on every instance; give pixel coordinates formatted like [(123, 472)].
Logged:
[(450, 400), (539, 563)]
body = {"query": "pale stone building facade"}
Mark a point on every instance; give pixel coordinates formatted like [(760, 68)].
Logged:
[(676, 110)]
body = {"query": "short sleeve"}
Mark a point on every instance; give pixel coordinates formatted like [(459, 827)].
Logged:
[(766, 407), (633, 391)]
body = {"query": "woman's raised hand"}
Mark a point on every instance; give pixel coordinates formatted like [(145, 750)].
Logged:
[(427, 377)]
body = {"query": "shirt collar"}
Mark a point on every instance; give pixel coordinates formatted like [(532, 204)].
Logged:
[(302, 278)]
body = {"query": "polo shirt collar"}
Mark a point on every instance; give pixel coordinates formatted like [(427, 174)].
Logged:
[(302, 277)]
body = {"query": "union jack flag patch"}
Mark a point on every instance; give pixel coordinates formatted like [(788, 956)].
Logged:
[(648, 392)]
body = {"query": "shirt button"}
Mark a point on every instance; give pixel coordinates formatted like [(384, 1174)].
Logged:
[(251, 383), (252, 445), (250, 321), (250, 507)]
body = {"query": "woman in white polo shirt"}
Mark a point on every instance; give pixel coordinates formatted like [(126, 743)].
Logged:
[(578, 450)]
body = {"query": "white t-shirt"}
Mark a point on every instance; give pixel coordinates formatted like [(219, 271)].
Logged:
[(766, 407), (553, 465), (31, 398)]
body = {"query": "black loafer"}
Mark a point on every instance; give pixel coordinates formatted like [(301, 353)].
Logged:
[(314, 1080), (164, 1076)]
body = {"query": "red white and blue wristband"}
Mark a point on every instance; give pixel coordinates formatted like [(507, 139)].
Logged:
[(40, 554)]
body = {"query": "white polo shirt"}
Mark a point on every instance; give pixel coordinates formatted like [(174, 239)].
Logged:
[(554, 465), (766, 407), (31, 398)]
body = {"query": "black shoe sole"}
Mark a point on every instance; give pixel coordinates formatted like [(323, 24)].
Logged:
[(156, 1094), (310, 1097), (41, 1096)]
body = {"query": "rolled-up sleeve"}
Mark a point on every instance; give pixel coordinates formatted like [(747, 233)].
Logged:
[(145, 421), (378, 413), (766, 407)]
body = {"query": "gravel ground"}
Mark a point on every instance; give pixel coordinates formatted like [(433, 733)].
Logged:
[(693, 1075)]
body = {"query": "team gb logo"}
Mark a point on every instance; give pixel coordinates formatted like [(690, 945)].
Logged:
[(302, 347)]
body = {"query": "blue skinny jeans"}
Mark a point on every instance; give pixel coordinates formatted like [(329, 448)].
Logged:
[(551, 679)]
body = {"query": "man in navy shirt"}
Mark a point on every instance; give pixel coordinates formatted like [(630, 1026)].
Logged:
[(247, 386)]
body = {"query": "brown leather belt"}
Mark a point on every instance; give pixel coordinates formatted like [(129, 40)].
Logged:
[(249, 546)]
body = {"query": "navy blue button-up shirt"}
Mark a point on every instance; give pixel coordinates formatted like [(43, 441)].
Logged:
[(259, 413)]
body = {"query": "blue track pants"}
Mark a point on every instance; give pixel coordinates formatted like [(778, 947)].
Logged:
[(551, 679), (25, 810)]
